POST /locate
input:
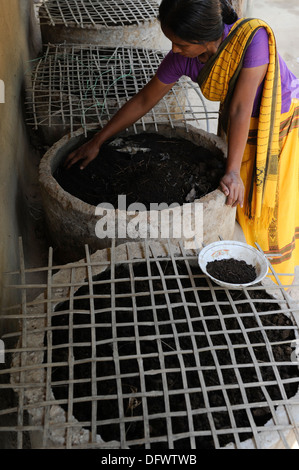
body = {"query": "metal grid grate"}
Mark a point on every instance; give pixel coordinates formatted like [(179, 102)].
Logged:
[(158, 342), (75, 86), (92, 13)]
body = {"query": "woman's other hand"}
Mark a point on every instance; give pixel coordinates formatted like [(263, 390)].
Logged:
[(232, 186)]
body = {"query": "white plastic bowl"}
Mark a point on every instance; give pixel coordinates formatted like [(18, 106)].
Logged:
[(226, 249)]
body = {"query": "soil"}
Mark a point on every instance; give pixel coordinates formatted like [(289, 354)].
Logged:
[(135, 328), (147, 168), (232, 271)]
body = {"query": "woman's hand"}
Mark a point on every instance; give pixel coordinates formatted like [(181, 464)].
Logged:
[(86, 153), (232, 186)]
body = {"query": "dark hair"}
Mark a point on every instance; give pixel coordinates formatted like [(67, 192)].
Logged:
[(196, 21)]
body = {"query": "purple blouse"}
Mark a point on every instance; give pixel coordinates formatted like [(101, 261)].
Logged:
[(175, 65)]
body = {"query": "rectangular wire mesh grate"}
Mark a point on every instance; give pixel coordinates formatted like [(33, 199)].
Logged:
[(77, 86), (144, 351), (93, 13)]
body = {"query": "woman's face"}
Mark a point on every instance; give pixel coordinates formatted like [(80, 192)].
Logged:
[(187, 49)]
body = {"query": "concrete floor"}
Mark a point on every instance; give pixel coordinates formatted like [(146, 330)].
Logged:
[(283, 18)]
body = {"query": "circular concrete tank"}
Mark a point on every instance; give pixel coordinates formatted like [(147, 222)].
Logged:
[(51, 425), (104, 23), (73, 223)]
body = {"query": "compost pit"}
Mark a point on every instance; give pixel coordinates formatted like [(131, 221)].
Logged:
[(147, 168), (124, 339)]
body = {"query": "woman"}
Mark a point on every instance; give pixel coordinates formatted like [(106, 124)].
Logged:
[(234, 62)]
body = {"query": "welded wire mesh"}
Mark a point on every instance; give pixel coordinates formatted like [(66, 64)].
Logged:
[(93, 13), (76, 86), (126, 351)]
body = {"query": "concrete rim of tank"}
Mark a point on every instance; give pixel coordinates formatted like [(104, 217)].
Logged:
[(48, 164)]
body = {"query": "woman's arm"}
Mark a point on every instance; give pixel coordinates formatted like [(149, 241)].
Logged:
[(133, 110), (239, 123)]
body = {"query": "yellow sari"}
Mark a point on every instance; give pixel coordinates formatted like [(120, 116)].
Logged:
[(270, 165)]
